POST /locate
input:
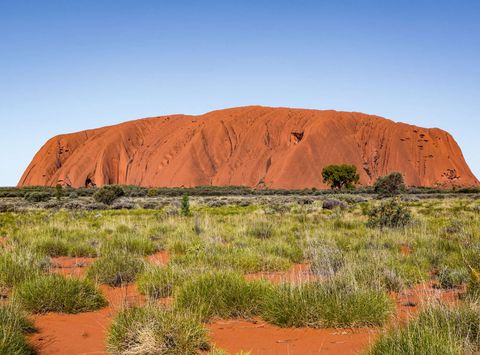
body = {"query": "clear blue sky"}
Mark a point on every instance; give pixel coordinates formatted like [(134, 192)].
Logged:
[(72, 65)]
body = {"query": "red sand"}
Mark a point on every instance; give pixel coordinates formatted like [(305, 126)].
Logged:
[(410, 301), (159, 258), (251, 146), (70, 265), (263, 338), (298, 273)]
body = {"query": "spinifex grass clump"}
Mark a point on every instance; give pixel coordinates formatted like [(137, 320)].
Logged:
[(13, 327), (55, 247), (243, 257), (260, 228), (16, 267), (222, 295), (160, 281), (320, 305), (55, 293), (326, 258), (439, 329), (156, 330), (129, 243), (116, 268)]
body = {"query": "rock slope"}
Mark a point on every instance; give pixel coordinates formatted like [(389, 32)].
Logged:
[(251, 146)]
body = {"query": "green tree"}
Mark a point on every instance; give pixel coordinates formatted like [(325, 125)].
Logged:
[(340, 176), (390, 185)]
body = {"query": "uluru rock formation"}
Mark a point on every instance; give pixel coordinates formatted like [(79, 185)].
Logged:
[(250, 146)]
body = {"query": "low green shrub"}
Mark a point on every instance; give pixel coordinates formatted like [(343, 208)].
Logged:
[(390, 185), (320, 305), (55, 293), (451, 278), (156, 330), (38, 196), (115, 269), (389, 214), (108, 194)]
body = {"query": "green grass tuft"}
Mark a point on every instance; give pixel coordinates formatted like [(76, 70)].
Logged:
[(115, 269), (156, 330), (55, 293), (437, 330), (325, 305), (221, 295)]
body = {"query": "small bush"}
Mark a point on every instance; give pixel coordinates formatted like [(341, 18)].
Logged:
[(152, 192), (331, 204), (55, 293), (451, 278), (151, 205), (123, 204), (390, 214), (390, 185), (38, 196), (156, 330), (221, 294), (115, 269), (108, 194), (319, 305)]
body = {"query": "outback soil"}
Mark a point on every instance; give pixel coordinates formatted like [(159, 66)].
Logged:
[(249, 146), (263, 338), (85, 333)]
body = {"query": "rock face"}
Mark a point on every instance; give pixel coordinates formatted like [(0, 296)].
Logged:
[(251, 146)]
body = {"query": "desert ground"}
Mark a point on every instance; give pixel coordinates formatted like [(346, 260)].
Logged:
[(157, 271)]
